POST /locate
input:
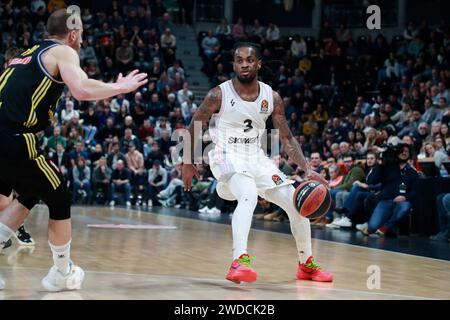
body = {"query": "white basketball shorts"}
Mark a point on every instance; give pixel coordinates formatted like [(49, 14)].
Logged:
[(262, 169)]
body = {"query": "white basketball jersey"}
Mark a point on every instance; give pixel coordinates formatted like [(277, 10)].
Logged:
[(239, 126)]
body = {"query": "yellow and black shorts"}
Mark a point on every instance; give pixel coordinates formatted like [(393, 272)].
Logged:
[(24, 169)]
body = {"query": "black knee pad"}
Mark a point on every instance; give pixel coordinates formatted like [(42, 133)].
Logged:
[(58, 203)]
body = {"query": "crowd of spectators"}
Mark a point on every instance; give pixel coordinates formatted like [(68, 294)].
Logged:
[(344, 97)]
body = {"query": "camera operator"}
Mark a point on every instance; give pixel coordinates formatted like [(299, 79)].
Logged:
[(397, 179)]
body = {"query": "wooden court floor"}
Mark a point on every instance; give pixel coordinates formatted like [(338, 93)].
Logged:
[(190, 262)]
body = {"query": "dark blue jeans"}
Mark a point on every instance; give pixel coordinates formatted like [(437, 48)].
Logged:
[(125, 188), (443, 209), (86, 187), (352, 197), (355, 201), (333, 193), (387, 213)]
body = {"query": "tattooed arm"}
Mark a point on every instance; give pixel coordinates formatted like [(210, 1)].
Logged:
[(290, 144), (210, 105)]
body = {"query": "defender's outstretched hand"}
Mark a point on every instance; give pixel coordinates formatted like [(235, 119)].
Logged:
[(132, 81)]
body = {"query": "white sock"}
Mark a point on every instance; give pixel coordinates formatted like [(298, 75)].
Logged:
[(5, 234), (244, 189), (300, 226), (61, 256)]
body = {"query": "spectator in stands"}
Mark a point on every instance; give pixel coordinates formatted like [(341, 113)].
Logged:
[(172, 102), (162, 124), (397, 192), (175, 84), (124, 57), (135, 162), (355, 173), (154, 154), (412, 124), (209, 45), (146, 130), (168, 45), (129, 138), (78, 152), (107, 133), (335, 151), (165, 23), (173, 70), (430, 111), (443, 92), (444, 132), (223, 30), (120, 182), (171, 195), (188, 108), (336, 178), (358, 193), (87, 53), (81, 181), (156, 108), (410, 32), (55, 139), (343, 35), (316, 162), (344, 150), (61, 159), (157, 180), (237, 31), (443, 209), (256, 32), (299, 48), (95, 155), (90, 124), (281, 162), (400, 119), (184, 94), (438, 156), (119, 102), (444, 111), (272, 34), (69, 112), (114, 156)]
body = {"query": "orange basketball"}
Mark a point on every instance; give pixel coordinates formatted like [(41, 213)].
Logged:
[(312, 199)]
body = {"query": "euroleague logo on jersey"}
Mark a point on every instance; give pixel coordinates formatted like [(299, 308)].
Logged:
[(277, 179), (264, 106)]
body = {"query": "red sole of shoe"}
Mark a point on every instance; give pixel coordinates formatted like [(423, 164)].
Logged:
[(300, 277), (248, 277)]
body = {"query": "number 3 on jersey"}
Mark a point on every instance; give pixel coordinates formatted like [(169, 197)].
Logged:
[(248, 123)]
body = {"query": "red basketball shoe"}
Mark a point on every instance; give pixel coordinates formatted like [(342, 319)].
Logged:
[(241, 270), (311, 271)]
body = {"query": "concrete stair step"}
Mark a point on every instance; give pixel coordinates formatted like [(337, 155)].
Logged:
[(188, 53)]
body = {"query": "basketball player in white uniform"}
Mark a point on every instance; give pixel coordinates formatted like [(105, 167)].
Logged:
[(238, 110)]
